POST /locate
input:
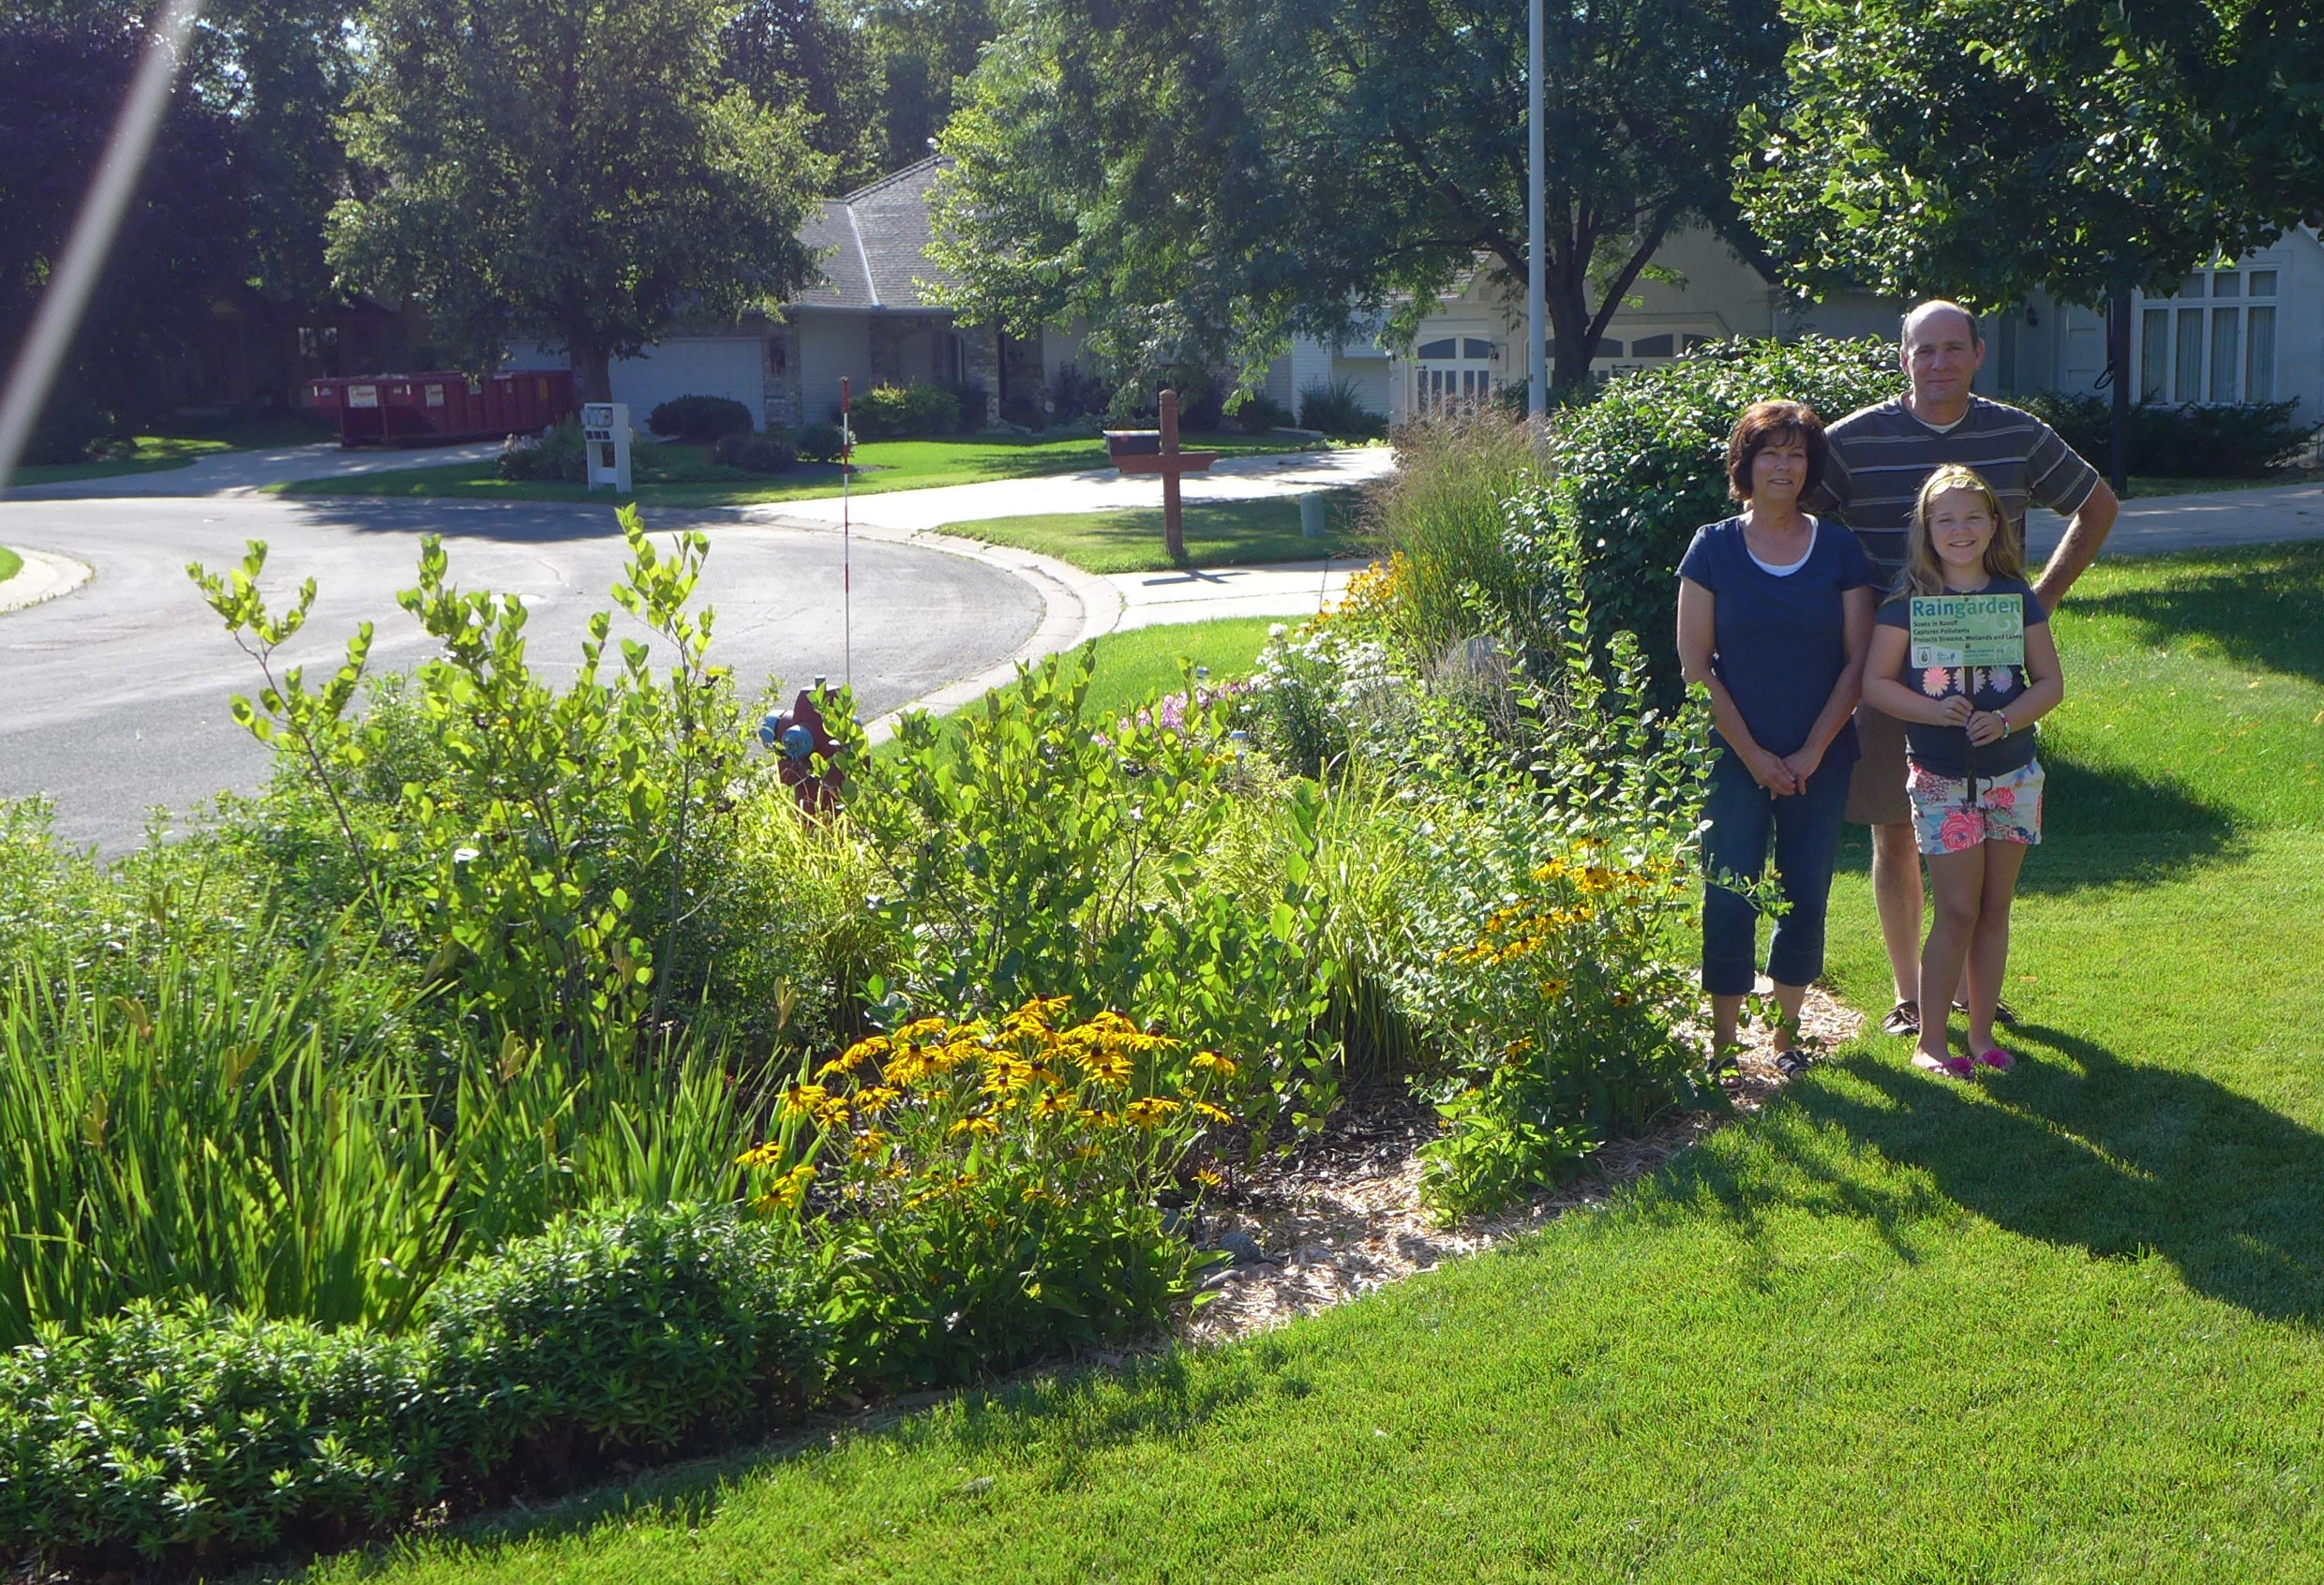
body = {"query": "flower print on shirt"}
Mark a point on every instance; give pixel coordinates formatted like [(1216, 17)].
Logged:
[(1936, 682)]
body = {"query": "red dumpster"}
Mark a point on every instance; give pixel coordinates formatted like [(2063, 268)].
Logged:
[(439, 406)]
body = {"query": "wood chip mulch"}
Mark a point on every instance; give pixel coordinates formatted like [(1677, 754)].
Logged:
[(1342, 1215)]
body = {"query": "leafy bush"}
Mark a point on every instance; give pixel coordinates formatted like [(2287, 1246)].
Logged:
[(971, 394), (651, 1331), (1107, 897), (558, 453), (888, 412), (700, 419), (1336, 408), (1074, 392), (1136, 403), (821, 443), (197, 1435), (71, 430), (755, 453), (1645, 466), (1561, 927), (986, 1191), (1254, 413), (2228, 440)]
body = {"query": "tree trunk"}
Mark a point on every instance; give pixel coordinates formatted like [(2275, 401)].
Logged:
[(2118, 363), (592, 369)]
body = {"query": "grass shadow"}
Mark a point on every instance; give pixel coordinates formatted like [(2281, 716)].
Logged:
[(2266, 612), (2110, 827), (2080, 1149)]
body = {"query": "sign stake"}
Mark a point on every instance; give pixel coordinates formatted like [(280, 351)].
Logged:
[(846, 543)]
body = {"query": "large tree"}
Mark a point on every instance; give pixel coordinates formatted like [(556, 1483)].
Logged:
[(1198, 177), (581, 170), (1976, 149), (814, 56), (184, 242)]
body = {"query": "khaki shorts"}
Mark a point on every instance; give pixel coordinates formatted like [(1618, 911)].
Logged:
[(1876, 795)]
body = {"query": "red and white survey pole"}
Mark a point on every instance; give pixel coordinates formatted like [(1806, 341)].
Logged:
[(846, 544)]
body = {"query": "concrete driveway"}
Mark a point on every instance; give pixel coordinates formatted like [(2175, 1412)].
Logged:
[(117, 692)]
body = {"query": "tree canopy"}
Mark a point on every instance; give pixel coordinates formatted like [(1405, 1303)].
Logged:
[(1204, 174), (586, 169)]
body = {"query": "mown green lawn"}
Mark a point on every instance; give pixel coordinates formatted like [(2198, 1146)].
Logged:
[(2065, 1326), (1220, 533), (152, 454), (692, 480), (2143, 487), (1127, 670)]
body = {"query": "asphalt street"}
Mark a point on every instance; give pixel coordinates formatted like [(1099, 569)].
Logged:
[(113, 699)]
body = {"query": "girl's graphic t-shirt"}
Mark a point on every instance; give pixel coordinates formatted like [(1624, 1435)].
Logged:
[(1945, 751)]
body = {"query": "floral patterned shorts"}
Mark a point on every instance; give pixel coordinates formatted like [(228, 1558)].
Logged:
[(2009, 809)]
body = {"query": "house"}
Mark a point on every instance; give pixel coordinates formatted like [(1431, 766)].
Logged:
[(871, 320), (2252, 330)]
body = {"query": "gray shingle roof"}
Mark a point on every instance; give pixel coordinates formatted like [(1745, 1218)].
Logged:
[(873, 245)]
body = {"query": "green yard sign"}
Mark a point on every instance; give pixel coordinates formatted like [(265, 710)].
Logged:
[(1957, 630)]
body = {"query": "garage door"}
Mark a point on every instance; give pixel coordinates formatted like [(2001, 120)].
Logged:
[(691, 366)]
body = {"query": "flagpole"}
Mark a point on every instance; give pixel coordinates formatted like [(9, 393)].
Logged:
[(1537, 228), (846, 544)]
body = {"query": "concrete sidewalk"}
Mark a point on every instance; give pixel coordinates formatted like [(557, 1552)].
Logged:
[(2194, 522), (1101, 490)]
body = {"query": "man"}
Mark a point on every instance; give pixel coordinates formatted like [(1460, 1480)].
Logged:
[(1879, 457)]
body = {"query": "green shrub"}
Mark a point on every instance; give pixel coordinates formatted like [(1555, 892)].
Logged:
[(200, 1436), (1254, 413), (821, 443), (1136, 403), (1037, 853), (1336, 408), (1639, 470), (650, 1331), (2222, 440), (1558, 921), (753, 454), (890, 413), (700, 419), (71, 430), (557, 454)]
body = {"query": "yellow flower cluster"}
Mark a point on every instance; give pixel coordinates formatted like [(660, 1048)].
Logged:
[(1373, 591), (1589, 886), (1026, 1089)]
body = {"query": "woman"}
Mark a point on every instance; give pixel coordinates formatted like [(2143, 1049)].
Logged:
[(1775, 616)]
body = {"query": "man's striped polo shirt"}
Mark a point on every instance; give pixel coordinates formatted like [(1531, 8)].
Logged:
[(1882, 453)]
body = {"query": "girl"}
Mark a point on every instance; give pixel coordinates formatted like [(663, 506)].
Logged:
[(1975, 785), (1775, 615)]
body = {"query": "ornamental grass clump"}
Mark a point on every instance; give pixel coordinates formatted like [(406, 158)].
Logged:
[(987, 1192)]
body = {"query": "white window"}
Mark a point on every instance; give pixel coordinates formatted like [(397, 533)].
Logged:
[(1452, 374), (2214, 342)]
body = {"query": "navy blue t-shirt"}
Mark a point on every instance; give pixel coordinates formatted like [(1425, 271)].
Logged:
[(1780, 642)]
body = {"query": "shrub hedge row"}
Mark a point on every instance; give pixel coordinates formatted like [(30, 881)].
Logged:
[(197, 1436)]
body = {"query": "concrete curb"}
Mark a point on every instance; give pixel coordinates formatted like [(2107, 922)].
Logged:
[(43, 576)]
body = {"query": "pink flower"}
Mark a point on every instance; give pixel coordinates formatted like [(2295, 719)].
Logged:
[(1936, 682), (1961, 830), (2001, 797)]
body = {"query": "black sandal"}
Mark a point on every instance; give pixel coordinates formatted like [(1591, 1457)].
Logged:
[(2004, 1013), (1793, 1063), (1903, 1019)]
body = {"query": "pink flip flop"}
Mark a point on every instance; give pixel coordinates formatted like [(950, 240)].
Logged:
[(1951, 1067), (1996, 1060)]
